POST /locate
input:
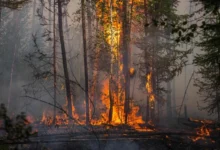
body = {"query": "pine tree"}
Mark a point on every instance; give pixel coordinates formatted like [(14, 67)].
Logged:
[(158, 64), (209, 60)]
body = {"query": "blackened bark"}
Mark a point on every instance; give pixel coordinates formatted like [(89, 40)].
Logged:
[(66, 75), (85, 61)]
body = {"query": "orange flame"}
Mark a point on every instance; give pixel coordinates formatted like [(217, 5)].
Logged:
[(149, 89), (131, 71), (203, 131)]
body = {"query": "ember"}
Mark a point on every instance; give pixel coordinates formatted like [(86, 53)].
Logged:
[(202, 133)]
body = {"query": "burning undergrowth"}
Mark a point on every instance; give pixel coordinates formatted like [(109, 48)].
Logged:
[(134, 120)]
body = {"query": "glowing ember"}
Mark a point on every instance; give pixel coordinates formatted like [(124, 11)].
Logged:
[(202, 121), (202, 132)]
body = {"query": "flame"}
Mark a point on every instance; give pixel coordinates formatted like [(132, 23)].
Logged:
[(131, 71), (47, 118), (149, 89), (61, 118), (118, 110), (202, 132)]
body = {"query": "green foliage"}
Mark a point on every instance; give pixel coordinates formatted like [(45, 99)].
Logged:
[(158, 48), (208, 61)]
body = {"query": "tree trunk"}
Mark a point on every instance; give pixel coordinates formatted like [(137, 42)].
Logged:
[(169, 105), (174, 98), (111, 101), (50, 25), (95, 90), (218, 109), (66, 75), (85, 61), (169, 109), (0, 12), (67, 29), (125, 51), (89, 18), (111, 69), (54, 59), (146, 63), (157, 93)]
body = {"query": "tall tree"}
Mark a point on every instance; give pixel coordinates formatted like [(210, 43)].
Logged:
[(85, 60), (209, 60), (125, 50), (54, 59), (64, 59), (156, 63)]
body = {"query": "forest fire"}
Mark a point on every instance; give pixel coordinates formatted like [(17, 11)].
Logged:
[(117, 114), (202, 132), (109, 74), (113, 96)]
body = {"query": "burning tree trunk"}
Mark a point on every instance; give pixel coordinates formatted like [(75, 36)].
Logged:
[(66, 75), (146, 64), (111, 101), (54, 53), (95, 68), (111, 69), (85, 61)]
